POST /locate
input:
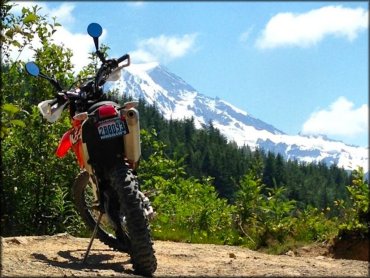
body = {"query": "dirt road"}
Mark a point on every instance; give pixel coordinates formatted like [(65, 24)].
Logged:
[(61, 255)]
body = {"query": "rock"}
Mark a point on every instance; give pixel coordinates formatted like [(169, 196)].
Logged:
[(232, 255), (305, 248), (19, 240)]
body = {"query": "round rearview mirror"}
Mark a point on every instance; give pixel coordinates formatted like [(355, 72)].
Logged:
[(94, 30), (32, 68)]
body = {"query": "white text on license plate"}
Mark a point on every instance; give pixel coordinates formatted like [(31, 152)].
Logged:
[(110, 129)]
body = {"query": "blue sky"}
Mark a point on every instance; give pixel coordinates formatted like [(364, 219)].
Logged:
[(302, 67)]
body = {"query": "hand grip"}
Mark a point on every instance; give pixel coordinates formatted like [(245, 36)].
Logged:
[(55, 101), (124, 57)]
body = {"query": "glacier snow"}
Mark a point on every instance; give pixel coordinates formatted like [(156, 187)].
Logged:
[(176, 99)]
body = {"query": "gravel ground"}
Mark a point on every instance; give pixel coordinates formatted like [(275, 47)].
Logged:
[(61, 255)]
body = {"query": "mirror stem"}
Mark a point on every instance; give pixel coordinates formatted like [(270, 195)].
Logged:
[(54, 82), (100, 55), (96, 42)]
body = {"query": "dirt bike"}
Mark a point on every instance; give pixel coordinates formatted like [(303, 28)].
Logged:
[(105, 138)]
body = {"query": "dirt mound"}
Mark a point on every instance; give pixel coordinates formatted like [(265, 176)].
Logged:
[(314, 250), (61, 256), (351, 246)]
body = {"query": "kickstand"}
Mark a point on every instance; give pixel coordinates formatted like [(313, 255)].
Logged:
[(92, 237)]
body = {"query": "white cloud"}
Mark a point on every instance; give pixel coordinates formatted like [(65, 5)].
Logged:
[(64, 37), (341, 118), (19, 5), (63, 13), (163, 48), (159, 49), (80, 43), (307, 29)]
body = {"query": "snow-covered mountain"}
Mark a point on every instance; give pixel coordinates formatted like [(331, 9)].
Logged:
[(178, 100)]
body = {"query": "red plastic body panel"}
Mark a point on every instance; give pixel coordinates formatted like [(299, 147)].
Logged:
[(65, 144), (72, 139)]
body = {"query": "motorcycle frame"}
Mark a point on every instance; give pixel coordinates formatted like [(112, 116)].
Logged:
[(94, 155)]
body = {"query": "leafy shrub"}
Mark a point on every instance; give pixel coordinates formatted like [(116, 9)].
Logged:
[(356, 214), (35, 188), (277, 217), (187, 209), (314, 225)]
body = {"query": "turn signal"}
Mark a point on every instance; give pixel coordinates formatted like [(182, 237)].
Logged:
[(81, 116)]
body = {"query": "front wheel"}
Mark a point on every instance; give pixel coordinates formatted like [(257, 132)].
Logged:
[(85, 202), (132, 208)]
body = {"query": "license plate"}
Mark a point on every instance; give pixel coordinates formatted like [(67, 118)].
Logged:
[(112, 128)]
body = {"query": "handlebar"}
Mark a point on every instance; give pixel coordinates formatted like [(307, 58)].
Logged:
[(61, 98), (124, 57), (92, 88), (107, 67), (55, 101)]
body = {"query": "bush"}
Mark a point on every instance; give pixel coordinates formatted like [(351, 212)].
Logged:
[(313, 225), (356, 214), (187, 209)]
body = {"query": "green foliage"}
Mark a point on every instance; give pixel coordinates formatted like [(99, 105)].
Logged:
[(206, 152), (192, 206), (35, 195), (249, 198), (34, 178), (271, 219), (249, 201), (187, 209), (262, 217), (277, 215), (157, 164), (315, 225), (64, 213), (357, 215), (9, 120)]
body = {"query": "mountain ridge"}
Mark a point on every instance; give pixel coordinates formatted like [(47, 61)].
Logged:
[(176, 99)]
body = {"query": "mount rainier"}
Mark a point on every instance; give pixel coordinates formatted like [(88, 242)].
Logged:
[(176, 99)]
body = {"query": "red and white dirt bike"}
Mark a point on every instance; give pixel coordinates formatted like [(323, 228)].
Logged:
[(106, 141)]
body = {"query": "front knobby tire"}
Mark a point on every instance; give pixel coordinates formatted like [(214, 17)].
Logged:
[(83, 199), (125, 183)]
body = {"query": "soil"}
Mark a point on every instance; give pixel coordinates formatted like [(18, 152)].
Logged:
[(61, 255)]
